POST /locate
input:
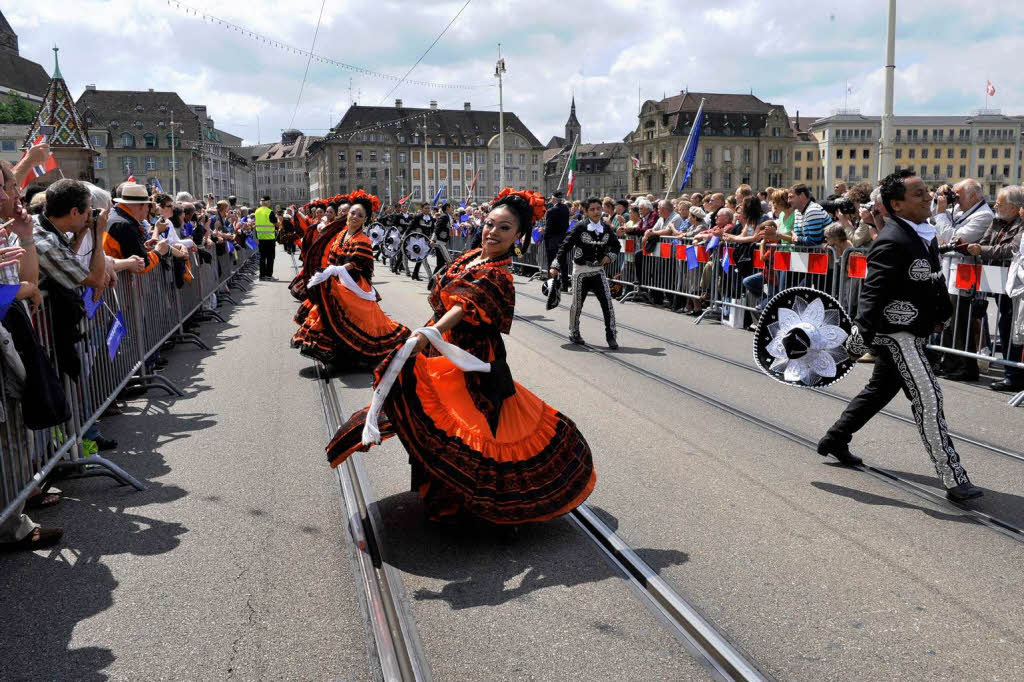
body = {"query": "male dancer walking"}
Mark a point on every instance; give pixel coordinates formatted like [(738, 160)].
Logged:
[(590, 243), (903, 300)]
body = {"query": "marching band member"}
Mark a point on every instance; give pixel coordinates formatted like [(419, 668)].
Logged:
[(590, 244), (478, 441)]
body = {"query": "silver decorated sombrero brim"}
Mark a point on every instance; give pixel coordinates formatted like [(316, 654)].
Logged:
[(553, 293), (800, 337)]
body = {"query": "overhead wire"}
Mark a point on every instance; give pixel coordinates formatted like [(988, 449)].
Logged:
[(439, 36), (206, 16), (306, 72)]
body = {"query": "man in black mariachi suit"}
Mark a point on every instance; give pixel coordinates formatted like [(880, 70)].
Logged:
[(591, 243), (439, 236), (556, 226), (403, 221), (423, 222), (903, 300)]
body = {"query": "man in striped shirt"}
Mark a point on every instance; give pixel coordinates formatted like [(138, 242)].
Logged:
[(810, 220)]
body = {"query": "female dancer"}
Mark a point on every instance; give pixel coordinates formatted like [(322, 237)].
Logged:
[(478, 442), (344, 327), (313, 250)]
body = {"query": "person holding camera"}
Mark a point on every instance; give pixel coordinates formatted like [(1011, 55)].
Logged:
[(902, 301), (962, 218)]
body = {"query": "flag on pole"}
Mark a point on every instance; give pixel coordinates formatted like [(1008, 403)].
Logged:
[(405, 198), (572, 170), (636, 162), (472, 185), (990, 89), (690, 150), (39, 170), (130, 178), (156, 186), (440, 193)]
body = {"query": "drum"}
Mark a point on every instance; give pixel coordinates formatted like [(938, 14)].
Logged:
[(392, 242), (416, 246), (376, 234)]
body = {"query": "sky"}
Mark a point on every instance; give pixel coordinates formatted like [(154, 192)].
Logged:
[(610, 54)]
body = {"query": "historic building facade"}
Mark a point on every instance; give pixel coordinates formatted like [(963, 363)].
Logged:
[(743, 140), (602, 168), (398, 151), (280, 172)]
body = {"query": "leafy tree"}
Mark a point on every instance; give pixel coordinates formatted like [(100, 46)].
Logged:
[(14, 109)]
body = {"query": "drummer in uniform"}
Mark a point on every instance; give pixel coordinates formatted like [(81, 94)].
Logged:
[(404, 222), (438, 236)]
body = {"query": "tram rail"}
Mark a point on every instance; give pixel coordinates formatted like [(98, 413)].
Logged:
[(964, 438)]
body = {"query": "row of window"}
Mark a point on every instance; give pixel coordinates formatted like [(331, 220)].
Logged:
[(130, 164), (442, 157), (128, 140), (993, 171), (865, 153)]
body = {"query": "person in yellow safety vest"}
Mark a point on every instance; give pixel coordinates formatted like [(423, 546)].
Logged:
[(266, 224)]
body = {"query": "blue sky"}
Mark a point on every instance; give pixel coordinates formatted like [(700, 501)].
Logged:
[(799, 54)]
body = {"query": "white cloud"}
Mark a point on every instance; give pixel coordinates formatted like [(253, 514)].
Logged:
[(799, 55)]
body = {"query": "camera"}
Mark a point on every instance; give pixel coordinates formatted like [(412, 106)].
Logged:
[(841, 205), (951, 197), (957, 246)]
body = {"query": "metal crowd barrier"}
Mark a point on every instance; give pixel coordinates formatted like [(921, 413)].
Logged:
[(154, 310)]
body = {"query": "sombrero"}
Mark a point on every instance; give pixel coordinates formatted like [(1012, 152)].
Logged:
[(800, 338)]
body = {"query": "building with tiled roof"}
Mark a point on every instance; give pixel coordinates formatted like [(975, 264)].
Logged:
[(19, 76), (279, 169), (396, 151), (226, 170), (132, 131), (744, 140)]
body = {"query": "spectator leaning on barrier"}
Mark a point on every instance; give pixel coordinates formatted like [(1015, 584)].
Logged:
[(1015, 291), (1000, 244), (125, 235), (811, 219)]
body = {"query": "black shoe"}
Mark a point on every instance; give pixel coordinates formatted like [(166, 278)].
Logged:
[(416, 278), (964, 491), (1005, 387), (577, 339), (612, 344), (841, 451), (105, 443), (961, 375)]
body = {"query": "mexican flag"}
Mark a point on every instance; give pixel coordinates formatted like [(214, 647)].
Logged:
[(572, 170)]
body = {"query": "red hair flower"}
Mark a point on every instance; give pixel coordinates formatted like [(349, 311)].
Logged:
[(534, 199)]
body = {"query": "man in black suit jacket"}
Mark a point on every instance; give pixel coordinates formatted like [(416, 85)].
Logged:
[(556, 226), (903, 300)]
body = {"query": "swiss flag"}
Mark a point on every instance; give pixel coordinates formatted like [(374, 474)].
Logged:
[(857, 266), (666, 250), (968, 276)]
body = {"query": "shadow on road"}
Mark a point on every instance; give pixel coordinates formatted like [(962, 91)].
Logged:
[(482, 565)]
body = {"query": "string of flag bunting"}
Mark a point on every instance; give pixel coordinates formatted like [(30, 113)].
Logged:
[(189, 10)]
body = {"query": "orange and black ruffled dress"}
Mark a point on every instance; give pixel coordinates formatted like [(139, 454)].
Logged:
[(478, 442), (340, 327), (314, 248)]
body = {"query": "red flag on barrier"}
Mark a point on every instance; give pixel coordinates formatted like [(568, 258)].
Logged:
[(817, 263), (630, 246), (758, 260), (666, 250), (780, 261), (968, 276), (857, 267), (680, 251), (702, 254)]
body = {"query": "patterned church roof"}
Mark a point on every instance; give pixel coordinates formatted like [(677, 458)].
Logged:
[(58, 109)]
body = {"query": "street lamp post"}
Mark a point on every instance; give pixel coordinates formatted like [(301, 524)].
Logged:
[(499, 71), (886, 154)]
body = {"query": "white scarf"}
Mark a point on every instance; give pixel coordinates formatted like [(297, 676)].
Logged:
[(460, 358), (925, 231), (342, 273), (596, 228)]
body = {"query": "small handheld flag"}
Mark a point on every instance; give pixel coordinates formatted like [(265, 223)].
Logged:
[(251, 243), (91, 306), (156, 186), (41, 169), (116, 333), (7, 294)]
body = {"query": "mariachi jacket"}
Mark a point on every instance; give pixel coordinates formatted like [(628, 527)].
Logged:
[(904, 290), (585, 247)]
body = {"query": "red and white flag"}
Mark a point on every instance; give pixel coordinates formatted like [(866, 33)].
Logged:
[(990, 89), (472, 185), (636, 162), (130, 178), (39, 170)]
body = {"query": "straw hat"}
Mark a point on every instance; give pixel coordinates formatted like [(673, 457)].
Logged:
[(134, 194)]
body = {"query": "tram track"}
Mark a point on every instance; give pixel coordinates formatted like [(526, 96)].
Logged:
[(921, 491), (961, 437)]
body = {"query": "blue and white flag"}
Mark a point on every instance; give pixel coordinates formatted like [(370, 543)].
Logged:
[(156, 186), (440, 193), (690, 150)]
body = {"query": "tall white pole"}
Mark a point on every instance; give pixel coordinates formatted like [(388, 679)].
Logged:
[(174, 168), (499, 71), (424, 157), (886, 154)]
